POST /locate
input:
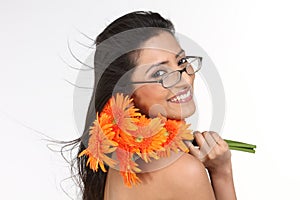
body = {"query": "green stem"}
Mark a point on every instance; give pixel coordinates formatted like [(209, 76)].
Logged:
[(235, 145), (242, 149), (239, 144)]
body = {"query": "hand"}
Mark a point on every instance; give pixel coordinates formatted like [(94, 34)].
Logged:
[(213, 152)]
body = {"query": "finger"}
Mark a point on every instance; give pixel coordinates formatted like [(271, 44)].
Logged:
[(203, 146), (215, 136), (194, 150), (199, 140), (209, 139), (219, 139), (188, 143)]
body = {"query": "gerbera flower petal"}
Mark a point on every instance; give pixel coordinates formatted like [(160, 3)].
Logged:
[(178, 131), (99, 145), (128, 168)]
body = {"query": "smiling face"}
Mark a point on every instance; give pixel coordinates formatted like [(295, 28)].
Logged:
[(162, 54)]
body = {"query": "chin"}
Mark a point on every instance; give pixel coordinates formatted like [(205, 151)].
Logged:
[(181, 110), (186, 115), (181, 115), (189, 114), (187, 111)]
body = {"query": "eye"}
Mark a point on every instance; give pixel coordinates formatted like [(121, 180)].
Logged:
[(158, 73), (182, 61)]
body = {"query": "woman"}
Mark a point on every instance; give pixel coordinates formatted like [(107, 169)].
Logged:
[(133, 55)]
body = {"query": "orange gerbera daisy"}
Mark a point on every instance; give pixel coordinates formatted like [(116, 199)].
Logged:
[(121, 129), (123, 112), (100, 143), (148, 138), (128, 168), (177, 132)]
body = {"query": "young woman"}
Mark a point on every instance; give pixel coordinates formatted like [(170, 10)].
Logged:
[(138, 55)]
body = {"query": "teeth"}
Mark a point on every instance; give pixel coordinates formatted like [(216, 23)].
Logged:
[(181, 97)]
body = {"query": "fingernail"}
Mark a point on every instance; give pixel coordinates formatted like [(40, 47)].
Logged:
[(205, 132), (196, 132)]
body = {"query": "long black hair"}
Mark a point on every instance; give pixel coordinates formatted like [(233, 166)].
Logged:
[(117, 50)]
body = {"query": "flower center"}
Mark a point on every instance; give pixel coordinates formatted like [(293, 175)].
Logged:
[(139, 138)]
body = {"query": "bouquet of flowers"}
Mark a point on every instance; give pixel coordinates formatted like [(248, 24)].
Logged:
[(120, 134)]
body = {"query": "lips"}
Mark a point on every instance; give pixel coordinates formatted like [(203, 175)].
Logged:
[(182, 96)]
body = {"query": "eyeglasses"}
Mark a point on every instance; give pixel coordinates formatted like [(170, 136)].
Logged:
[(191, 65)]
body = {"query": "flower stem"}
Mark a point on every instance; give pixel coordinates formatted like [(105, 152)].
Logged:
[(242, 149), (235, 145), (240, 146)]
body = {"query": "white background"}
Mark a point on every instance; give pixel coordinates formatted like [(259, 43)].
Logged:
[(254, 45)]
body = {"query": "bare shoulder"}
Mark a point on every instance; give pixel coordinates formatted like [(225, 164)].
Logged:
[(188, 179), (185, 178)]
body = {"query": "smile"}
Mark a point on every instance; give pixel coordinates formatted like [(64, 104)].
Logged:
[(182, 97)]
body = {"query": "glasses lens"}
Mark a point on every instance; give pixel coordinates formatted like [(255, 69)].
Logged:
[(194, 65), (171, 79)]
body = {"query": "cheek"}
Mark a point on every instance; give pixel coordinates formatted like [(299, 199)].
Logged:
[(146, 97)]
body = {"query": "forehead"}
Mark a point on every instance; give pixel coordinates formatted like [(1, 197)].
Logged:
[(160, 46)]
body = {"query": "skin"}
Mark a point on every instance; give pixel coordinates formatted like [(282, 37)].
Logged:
[(187, 175), (152, 98)]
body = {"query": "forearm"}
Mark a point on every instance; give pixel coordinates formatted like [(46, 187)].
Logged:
[(223, 186)]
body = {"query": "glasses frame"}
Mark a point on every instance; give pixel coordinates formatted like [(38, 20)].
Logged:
[(167, 74)]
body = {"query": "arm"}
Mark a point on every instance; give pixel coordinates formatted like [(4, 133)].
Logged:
[(223, 186), (215, 154)]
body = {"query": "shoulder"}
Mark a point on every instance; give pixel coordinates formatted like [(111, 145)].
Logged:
[(187, 179)]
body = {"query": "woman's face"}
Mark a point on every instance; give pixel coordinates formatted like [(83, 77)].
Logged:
[(162, 54)]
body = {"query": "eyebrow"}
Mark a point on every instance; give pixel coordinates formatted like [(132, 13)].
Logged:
[(180, 52), (164, 62)]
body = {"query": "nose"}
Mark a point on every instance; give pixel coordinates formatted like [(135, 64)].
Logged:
[(185, 80), (186, 77)]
